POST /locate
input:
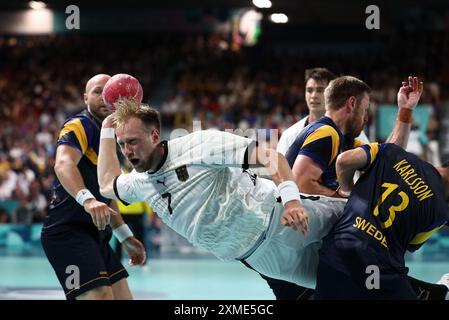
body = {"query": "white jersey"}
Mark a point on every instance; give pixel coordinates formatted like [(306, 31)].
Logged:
[(202, 192), (290, 134)]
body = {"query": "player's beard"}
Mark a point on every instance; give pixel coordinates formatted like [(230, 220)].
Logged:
[(99, 113)]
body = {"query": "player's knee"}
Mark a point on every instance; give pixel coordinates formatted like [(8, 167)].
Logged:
[(100, 293)]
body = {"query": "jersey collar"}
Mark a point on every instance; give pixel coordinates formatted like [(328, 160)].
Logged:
[(164, 158)]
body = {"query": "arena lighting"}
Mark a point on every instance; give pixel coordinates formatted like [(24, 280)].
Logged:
[(262, 3), (37, 5), (279, 18)]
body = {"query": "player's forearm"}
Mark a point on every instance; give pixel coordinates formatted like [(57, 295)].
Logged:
[(347, 164), (70, 177), (108, 166), (116, 220), (400, 134), (277, 166), (311, 186)]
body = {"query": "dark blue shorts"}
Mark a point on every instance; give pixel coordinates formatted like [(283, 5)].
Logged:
[(336, 285), (84, 249)]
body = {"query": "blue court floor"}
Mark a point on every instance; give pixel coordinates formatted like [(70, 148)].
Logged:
[(31, 277)]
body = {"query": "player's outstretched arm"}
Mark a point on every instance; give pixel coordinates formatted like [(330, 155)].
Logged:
[(108, 164), (295, 215), (347, 164), (408, 97)]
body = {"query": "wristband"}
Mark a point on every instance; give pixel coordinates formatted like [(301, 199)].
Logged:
[(405, 115), (106, 133), (122, 233), (83, 195), (288, 190)]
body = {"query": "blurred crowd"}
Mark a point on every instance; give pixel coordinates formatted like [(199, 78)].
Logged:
[(42, 82)]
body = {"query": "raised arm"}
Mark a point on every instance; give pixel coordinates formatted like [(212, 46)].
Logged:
[(408, 97), (108, 167)]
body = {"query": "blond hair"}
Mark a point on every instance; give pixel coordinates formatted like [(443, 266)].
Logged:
[(130, 108)]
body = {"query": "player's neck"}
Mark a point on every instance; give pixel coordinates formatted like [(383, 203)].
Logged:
[(157, 156), (313, 116), (339, 118)]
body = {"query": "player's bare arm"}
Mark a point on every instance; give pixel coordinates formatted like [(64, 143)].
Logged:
[(295, 215), (307, 175), (347, 164), (108, 164), (66, 170), (408, 97), (133, 247)]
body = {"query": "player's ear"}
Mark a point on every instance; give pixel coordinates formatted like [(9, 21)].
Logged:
[(155, 136), (351, 103), (85, 97)]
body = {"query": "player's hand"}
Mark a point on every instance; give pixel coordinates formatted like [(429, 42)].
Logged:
[(135, 250), (100, 213), (108, 122), (410, 93), (295, 216)]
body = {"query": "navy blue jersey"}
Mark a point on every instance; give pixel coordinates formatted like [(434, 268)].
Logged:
[(396, 205), (81, 132), (322, 141)]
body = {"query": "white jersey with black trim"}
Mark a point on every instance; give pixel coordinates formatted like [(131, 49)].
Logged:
[(289, 135), (203, 191)]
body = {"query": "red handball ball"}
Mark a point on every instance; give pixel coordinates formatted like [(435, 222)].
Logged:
[(120, 86)]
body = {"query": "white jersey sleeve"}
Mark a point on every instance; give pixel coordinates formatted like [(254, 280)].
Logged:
[(289, 136), (127, 186)]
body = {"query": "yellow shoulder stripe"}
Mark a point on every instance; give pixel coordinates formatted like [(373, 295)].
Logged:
[(358, 143), (323, 132), (76, 127), (423, 236), (373, 150), (91, 155)]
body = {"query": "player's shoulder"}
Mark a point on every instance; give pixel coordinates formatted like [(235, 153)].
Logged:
[(81, 120), (319, 130), (295, 129)]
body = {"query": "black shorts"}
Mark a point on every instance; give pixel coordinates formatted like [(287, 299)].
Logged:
[(84, 249), (336, 285)]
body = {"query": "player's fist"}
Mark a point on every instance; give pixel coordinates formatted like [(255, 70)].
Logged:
[(135, 250), (100, 213), (410, 93), (295, 216)]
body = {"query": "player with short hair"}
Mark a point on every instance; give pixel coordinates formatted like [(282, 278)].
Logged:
[(202, 187), (77, 228), (396, 205)]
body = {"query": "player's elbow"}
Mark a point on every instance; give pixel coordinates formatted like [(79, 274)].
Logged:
[(343, 161), (63, 165), (107, 191)]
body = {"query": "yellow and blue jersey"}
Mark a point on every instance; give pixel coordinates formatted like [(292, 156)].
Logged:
[(82, 132), (395, 206), (322, 141)]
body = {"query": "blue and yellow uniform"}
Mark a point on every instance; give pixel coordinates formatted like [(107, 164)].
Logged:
[(396, 205), (69, 236), (322, 141)]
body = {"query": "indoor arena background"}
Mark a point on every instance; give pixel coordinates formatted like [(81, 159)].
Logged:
[(226, 64)]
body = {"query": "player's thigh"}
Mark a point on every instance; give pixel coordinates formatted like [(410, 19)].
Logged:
[(114, 268), (77, 259)]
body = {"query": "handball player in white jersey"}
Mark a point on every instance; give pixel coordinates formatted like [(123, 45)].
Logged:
[(201, 186)]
